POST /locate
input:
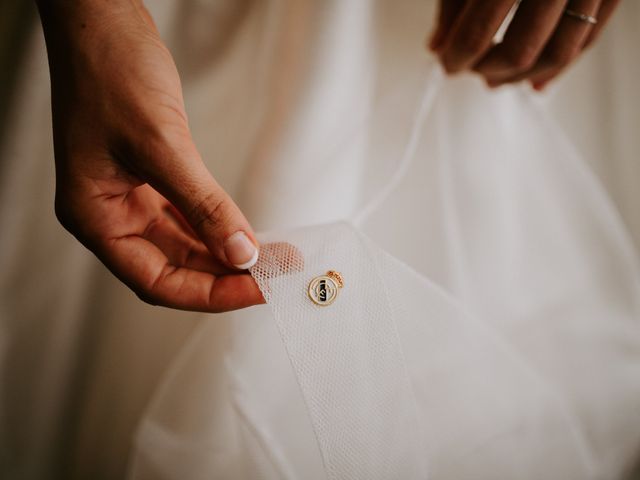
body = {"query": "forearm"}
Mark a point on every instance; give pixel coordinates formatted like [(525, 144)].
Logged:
[(86, 35), (67, 22)]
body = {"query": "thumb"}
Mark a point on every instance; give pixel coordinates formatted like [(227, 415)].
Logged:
[(184, 180)]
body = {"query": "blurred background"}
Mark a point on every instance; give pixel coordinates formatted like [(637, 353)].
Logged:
[(66, 341)]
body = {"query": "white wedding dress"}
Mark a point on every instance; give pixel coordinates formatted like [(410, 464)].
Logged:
[(488, 327)]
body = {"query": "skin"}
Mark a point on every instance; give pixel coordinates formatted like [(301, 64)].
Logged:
[(130, 183), (540, 43)]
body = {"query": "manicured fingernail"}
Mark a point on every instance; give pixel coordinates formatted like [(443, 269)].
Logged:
[(241, 251)]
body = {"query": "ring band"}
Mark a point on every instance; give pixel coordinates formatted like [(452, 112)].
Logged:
[(581, 16)]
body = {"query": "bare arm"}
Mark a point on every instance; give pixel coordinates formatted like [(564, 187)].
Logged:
[(130, 183)]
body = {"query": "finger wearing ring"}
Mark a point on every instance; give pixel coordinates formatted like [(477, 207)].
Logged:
[(583, 17), (560, 50)]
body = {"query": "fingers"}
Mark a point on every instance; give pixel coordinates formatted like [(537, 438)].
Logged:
[(527, 35), (180, 175), (146, 270), (540, 42), (562, 48), (146, 248), (566, 44), (472, 33), (448, 11), (181, 249), (161, 261), (606, 10)]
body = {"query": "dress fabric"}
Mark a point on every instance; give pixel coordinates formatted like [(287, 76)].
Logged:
[(488, 326)]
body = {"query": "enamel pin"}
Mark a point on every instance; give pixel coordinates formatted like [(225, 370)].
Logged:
[(323, 289)]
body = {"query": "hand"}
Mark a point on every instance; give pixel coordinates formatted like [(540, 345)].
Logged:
[(540, 42), (130, 184)]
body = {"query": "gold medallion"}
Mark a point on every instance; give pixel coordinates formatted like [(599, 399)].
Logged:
[(324, 289)]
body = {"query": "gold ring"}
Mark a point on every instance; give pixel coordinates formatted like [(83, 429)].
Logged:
[(581, 16)]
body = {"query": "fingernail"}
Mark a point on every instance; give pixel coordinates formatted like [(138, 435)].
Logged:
[(241, 251)]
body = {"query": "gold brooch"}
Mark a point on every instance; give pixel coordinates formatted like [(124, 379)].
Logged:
[(323, 289)]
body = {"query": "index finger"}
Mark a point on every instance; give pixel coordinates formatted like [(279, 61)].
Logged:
[(147, 271)]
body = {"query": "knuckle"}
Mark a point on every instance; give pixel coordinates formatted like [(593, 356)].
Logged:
[(209, 211), (153, 290), (522, 58), (147, 291)]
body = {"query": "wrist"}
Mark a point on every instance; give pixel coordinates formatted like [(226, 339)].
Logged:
[(87, 27)]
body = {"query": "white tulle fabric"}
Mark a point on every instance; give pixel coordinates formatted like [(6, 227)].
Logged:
[(522, 363), (491, 298)]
